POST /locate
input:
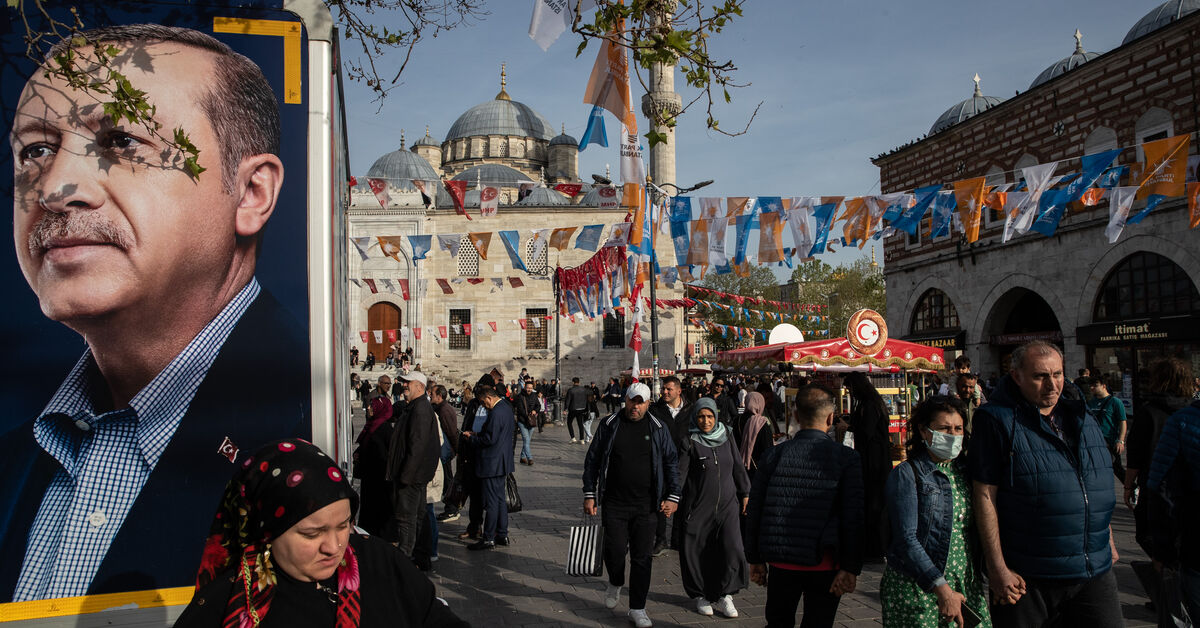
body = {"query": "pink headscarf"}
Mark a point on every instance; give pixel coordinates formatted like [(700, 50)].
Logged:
[(755, 403)]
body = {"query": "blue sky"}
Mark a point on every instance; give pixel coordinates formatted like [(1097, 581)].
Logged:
[(839, 82)]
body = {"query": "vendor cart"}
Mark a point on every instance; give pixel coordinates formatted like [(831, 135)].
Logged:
[(892, 369)]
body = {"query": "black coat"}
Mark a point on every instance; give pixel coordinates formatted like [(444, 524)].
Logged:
[(807, 497), (170, 518), (414, 453), (393, 593)]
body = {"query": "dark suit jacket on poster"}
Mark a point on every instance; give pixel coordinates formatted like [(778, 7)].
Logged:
[(160, 542)]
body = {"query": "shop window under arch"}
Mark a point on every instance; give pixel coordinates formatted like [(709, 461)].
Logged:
[(935, 311), (1145, 285)]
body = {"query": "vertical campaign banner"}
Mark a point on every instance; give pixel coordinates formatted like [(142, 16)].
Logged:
[(156, 327)]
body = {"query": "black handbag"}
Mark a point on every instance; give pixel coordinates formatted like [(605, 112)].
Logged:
[(457, 495), (512, 498)]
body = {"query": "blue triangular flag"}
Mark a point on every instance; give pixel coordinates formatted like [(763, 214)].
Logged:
[(824, 216), (511, 240), (594, 134), (1152, 201), (420, 245)]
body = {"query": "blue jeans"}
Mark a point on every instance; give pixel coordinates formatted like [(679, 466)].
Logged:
[(526, 438), (433, 529)]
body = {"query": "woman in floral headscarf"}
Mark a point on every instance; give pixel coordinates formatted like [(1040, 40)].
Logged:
[(282, 552)]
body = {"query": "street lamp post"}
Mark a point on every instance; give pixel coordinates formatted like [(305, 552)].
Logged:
[(659, 195)]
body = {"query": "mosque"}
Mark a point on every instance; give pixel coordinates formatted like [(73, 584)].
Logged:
[(506, 144), (1113, 308)]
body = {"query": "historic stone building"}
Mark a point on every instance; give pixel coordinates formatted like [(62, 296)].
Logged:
[(503, 143), (1113, 308)]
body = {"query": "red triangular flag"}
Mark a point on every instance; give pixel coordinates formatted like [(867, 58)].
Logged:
[(391, 334), (403, 288), (492, 324), (523, 322), (445, 286), (417, 333), (458, 193), (467, 329), (364, 335), (515, 282), (371, 284), (379, 187), (442, 330)]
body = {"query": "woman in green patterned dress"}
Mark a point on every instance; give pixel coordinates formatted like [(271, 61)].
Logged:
[(933, 571)]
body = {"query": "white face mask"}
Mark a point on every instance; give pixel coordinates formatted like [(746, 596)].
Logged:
[(944, 446)]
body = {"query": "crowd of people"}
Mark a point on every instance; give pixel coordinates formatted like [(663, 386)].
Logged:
[(999, 513)]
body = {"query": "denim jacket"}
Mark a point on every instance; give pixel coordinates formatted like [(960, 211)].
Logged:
[(920, 535)]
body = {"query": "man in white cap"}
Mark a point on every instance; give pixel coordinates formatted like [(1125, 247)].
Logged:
[(630, 469), (412, 460)]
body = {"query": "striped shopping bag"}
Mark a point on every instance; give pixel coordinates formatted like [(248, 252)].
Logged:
[(585, 549)]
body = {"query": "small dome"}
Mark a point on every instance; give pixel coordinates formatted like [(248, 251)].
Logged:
[(1162, 15), (975, 105), (1066, 64), (426, 141), (564, 139), (544, 197), (400, 167), (493, 174)]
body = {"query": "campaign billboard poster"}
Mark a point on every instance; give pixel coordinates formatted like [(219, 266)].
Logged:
[(156, 326)]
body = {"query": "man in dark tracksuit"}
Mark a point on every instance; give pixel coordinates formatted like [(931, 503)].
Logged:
[(631, 468)]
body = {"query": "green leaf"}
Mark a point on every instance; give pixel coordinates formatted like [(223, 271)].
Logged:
[(655, 138)]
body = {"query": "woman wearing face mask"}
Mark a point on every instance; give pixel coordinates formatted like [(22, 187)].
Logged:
[(282, 552), (933, 560)]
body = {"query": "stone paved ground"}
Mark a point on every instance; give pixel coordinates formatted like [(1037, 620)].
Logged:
[(524, 584)]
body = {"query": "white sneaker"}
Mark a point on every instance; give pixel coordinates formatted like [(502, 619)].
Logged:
[(612, 595), (639, 618), (703, 607), (574, 440), (725, 606)]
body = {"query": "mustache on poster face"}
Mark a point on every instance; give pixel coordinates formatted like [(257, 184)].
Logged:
[(75, 227)]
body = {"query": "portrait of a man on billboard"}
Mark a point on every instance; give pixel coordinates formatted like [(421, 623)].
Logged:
[(111, 486)]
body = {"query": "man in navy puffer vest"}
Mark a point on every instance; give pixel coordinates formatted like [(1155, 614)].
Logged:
[(1044, 498)]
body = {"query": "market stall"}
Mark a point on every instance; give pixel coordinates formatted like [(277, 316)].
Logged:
[(891, 364)]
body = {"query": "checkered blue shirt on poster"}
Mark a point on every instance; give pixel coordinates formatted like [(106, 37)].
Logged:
[(107, 458)]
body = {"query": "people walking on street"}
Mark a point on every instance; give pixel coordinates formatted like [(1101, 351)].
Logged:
[(370, 468), (715, 491), (413, 457), (934, 574), (1109, 412), (677, 416), (528, 408), (448, 420), (630, 472), (612, 395), (804, 525), (475, 417), (869, 423), (493, 451), (1175, 474), (577, 405), (1044, 499), (754, 434)]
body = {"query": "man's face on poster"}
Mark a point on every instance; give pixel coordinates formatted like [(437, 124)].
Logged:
[(106, 219)]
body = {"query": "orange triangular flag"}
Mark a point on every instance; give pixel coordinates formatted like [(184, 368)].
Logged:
[(480, 240)]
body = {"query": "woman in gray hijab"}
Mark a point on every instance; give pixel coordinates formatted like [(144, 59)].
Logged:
[(715, 491)]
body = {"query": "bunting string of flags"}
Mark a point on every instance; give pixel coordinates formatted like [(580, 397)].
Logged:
[(745, 332), (741, 299)]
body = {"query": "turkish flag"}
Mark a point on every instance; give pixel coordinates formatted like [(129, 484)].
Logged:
[(391, 334), (380, 188), (570, 189), (364, 335), (458, 192)]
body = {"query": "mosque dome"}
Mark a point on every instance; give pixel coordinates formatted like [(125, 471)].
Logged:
[(563, 139), (976, 104), (426, 141), (501, 116), (544, 197), (1160, 16), (1066, 64), (399, 167), (493, 174)]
